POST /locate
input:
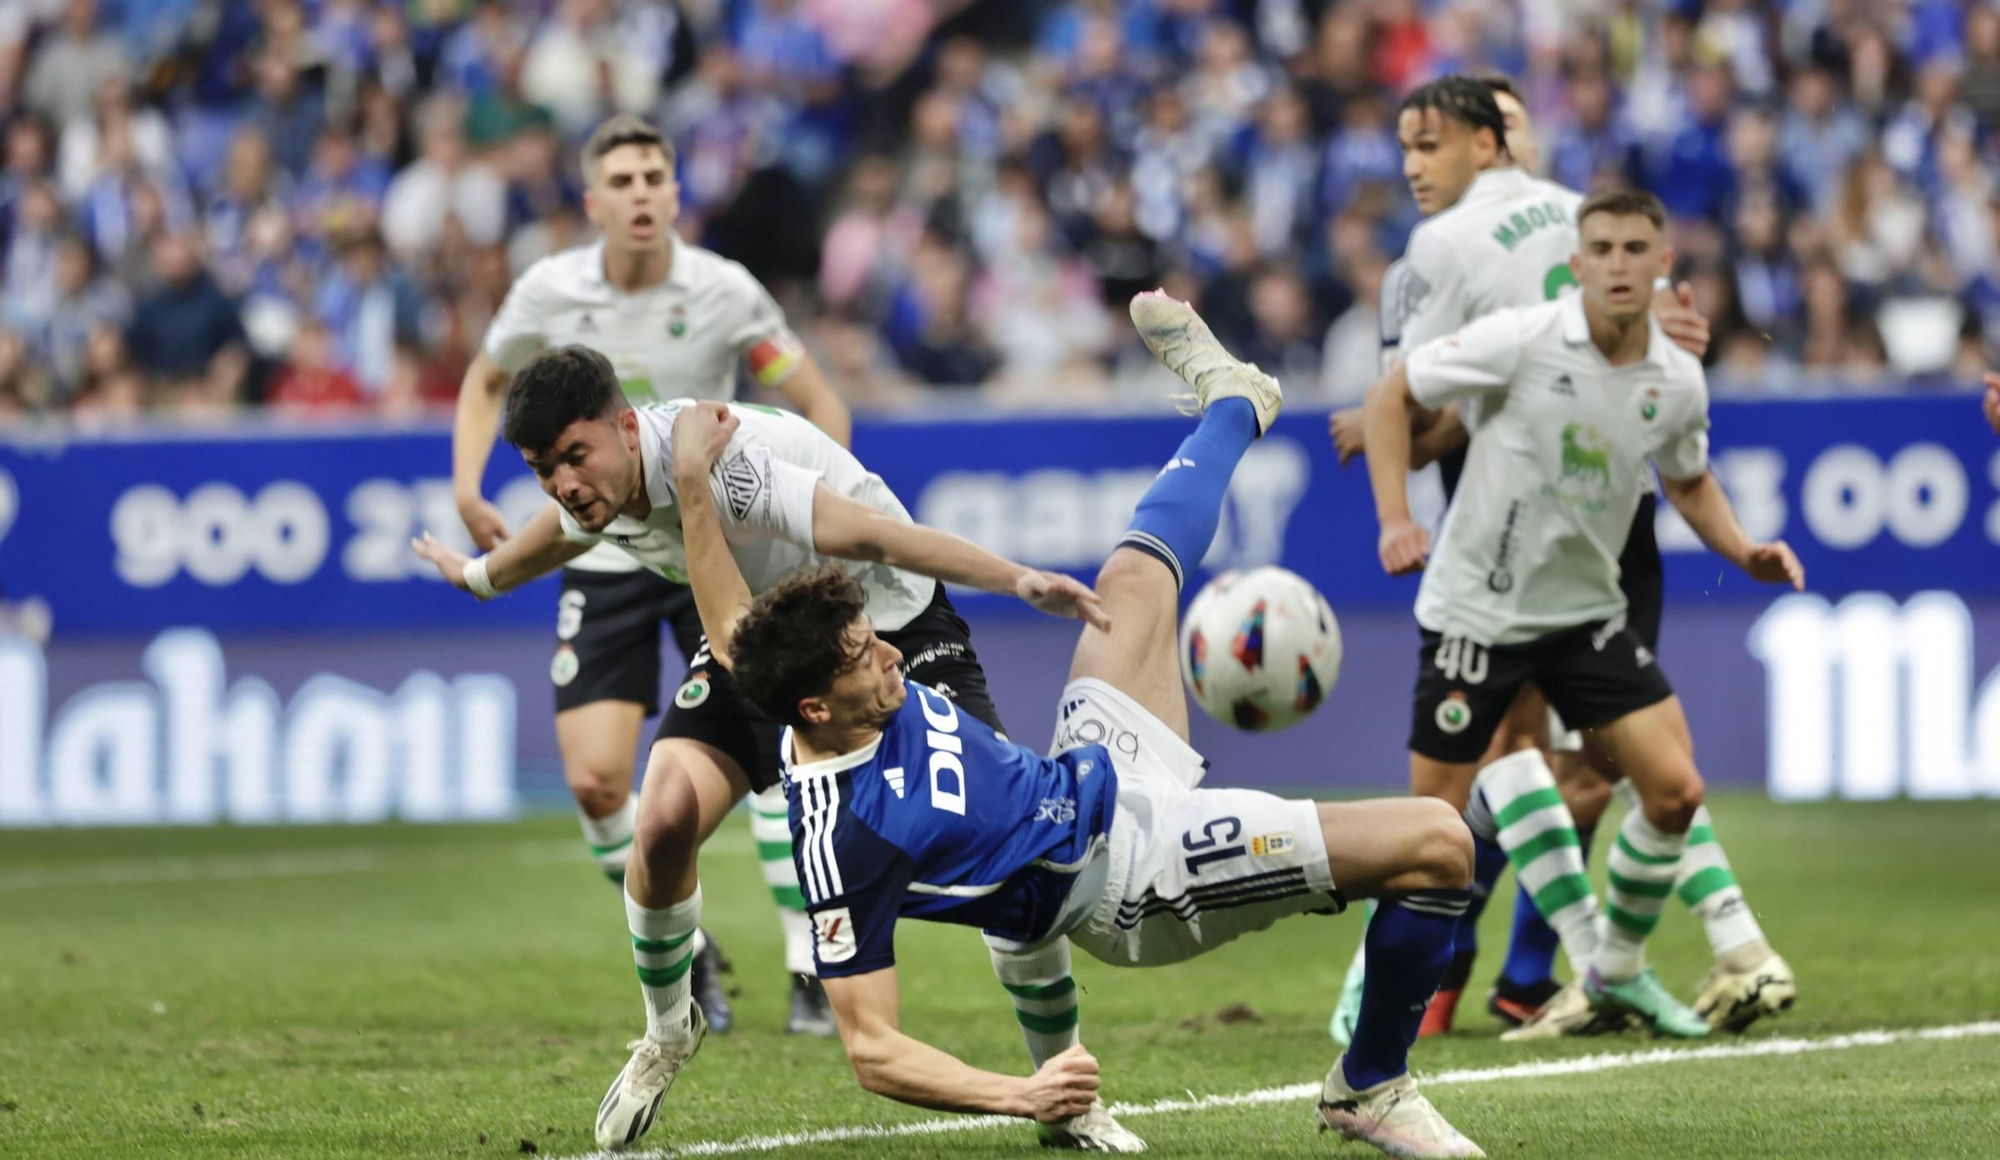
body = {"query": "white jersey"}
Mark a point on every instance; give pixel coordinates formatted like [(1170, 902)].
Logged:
[(1554, 476), (684, 338), (763, 488)]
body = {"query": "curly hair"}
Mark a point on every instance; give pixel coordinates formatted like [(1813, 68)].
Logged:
[(793, 642)]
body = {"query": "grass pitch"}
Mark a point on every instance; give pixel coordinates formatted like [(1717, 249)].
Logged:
[(467, 992)]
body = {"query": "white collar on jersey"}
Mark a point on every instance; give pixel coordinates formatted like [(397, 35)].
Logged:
[(1576, 330), (1495, 183), (828, 767), (678, 275)]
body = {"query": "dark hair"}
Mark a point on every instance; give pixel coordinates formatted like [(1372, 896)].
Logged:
[(1497, 83), (555, 389), (793, 641), (1622, 202), (1465, 100), (623, 129)]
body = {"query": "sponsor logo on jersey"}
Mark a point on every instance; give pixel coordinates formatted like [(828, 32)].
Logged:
[(742, 483), (1454, 714), (563, 667), (1607, 631), (833, 935), (1264, 845), (1501, 580), (1586, 468), (1060, 810), (693, 692)]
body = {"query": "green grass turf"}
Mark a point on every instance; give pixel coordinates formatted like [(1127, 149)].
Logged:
[(407, 991)]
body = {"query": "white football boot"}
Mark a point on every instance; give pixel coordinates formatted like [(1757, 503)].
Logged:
[(1568, 1012), (634, 1099), (1393, 1115), (1733, 1000), (1182, 341), (1093, 1131)]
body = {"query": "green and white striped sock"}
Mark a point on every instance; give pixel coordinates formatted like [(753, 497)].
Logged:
[(663, 948), (610, 837), (771, 828), (1643, 863), (1520, 801), (1044, 997), (1709, 888)]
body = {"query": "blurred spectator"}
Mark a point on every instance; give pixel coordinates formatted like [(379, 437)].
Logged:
[(870, 240), (115, 139), (367, 307), (1592, 144), (1124, 261), (1280, 173), (82, 300), (288, 111), (585, 65), (342, 188), (446, 181), (187, 328), (1350, 357), (311, 382), (1819, 138), (71, 64), (1282, 339)]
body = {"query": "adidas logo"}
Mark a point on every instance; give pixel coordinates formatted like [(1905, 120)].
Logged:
[(1563, 386), (1177, 461), (895, 779), (587, 326)]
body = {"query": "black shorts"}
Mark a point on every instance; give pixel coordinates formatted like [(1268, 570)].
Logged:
[(708, 707), (608, 636), (1592, 675), (1642, 575)]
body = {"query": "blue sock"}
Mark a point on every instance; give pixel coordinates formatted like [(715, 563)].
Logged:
[(1176, 518), (1488, 860), (1409, 949), (1531, 956)]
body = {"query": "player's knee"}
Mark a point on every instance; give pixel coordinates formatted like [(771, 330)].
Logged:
[(669, 822), (1585, 793), (1129, 570), (1670, 803), (598, 796), (1443, 849)]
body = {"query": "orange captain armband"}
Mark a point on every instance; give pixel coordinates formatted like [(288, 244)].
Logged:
[(773, 360)]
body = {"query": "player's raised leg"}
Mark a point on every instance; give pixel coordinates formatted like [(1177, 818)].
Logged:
[(689, 788)]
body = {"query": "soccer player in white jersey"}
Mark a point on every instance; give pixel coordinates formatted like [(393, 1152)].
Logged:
[(1573, 397), (676, 321), (794, 499), (1480, 200), (904, 809)]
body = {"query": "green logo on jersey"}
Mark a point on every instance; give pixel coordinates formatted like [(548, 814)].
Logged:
[(1586, 469), (1649, 409), (1535, 217), (1554, 281)]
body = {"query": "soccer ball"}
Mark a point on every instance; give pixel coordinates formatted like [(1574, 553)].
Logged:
[(1259, 649)]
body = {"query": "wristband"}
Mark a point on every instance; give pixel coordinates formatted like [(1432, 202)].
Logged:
[(1663, 283), (476, 580)]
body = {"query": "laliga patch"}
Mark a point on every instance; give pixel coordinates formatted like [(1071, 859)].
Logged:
[(563, 668), (1265, 845), (1453, 714), (694, 692), (833, 935)]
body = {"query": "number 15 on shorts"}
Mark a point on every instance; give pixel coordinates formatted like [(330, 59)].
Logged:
[(1208, 847)]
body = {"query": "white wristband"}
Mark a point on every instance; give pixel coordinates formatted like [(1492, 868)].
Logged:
[(477, 581), (1663, 283)]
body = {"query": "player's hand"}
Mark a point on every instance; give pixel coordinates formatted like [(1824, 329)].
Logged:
[(1775, 563), (1349, 437), (1060, 595), (1403, 547), (1683, 323), (1993, 401), (1063, 1087), (701, 433), (484, 521), (450, 564)]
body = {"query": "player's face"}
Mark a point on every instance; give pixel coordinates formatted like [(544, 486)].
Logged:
[(592, 469), (1521, 143), (1618, 256), (868, 692), (634, 199), (1441, 156)]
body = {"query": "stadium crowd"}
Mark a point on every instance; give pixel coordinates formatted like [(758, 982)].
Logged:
[(316, 205)]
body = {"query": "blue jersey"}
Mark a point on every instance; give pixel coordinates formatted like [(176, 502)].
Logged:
[(944, 819)]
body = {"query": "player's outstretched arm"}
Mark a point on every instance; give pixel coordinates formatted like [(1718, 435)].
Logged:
[(1386, 422), (890, 1063), (1705, 505), (473, 425), (540, 549), (807, 390), (721, 594)]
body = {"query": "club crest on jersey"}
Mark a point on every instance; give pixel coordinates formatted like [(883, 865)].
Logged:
[(742, 483), (694, 692), (1267, 844), (677, 323), (1649, 407), (563, 667), (833, 935), (1454, 714)]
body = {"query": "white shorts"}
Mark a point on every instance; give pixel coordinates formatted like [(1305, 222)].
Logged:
[(1190, 869)]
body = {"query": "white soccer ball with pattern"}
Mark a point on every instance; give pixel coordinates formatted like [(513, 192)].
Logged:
[(1260, 649)]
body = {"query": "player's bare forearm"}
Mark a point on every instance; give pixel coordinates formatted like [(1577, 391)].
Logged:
[(1386, 419), (538, 550), (1439, 439), (720, 592), (890, 1063), (807, 390), (855, 531), (474, 423), (1705, 506)]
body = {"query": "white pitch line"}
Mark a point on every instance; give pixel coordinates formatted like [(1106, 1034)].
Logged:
[(1539, 1069), (273, 864)]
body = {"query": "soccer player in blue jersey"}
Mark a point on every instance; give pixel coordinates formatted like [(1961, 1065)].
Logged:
[(903, 806)]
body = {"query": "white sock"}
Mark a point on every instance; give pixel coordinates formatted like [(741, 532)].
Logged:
[(663, 948), (610, 837), (1517, 796), (771, 829), (1642, 864), (1044, 997), (1709, 888)]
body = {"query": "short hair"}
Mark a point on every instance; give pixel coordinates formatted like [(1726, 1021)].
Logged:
[(1621, 203), (793, 642), (1497, 83), (1465, 100), (623, 129), (555, 389)]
